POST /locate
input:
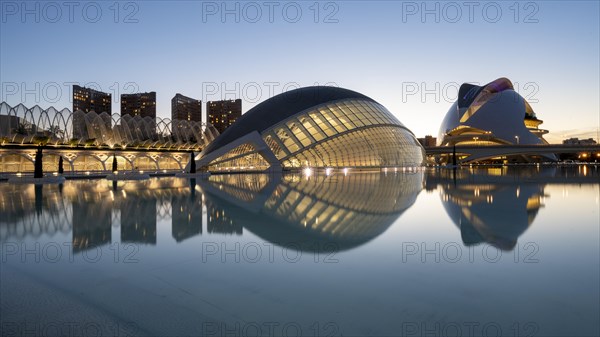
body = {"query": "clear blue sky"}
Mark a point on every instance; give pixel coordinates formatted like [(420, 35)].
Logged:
[(387, 50)]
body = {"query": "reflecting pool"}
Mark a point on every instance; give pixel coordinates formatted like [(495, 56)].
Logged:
[(494, 252)]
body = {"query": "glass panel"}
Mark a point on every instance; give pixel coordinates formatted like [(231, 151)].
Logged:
[(333, 120), (311, 127), (301, 135), (287, 140), (322, 123), (341, 115), (275, 146)]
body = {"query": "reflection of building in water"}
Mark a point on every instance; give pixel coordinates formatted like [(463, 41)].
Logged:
[(138, 220), (30, 211), (186, 217), (219, 221), (91, 224), (495, 212), (325, 212)]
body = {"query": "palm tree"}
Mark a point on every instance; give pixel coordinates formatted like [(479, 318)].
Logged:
[(21, 129), (56, 132)]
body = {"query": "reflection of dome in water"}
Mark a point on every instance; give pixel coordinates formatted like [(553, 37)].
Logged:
[(324, 213), (496, 214)]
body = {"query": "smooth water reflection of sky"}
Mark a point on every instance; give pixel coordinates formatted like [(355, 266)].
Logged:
[(425, 260)]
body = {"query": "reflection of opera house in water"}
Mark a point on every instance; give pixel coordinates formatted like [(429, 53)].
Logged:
[(492, 212)]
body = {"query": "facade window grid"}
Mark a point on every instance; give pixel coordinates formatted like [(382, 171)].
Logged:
[(274, 146), (292, 134), (320, 120), (300, 125), (239, 150), (300, 133), (357, 120), (338, 126), (284, 152), (296, 141), (314, 121), (342, 116), (287, 140), (254, 160), (296, 144), (371, 113), (336, 122), (313, 128)]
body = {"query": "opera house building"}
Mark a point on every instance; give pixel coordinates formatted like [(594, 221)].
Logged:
[(493, 114), (313, 127)]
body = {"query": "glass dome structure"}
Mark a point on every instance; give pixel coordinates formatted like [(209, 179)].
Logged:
[(317, 127)]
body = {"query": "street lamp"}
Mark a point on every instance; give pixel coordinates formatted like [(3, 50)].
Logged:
[(517, 138)]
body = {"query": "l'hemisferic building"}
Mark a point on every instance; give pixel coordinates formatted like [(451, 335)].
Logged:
[(314, 127)]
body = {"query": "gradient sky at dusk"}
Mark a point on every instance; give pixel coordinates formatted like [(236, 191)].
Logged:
[(385, 50)]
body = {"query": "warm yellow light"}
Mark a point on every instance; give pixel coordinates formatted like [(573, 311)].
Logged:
[(19, 174), (584, 155)]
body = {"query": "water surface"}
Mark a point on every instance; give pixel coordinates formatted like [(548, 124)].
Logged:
[(501, 251)]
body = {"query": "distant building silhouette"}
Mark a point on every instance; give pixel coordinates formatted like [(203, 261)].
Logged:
[(427, 141), (87, 100), (577, 141), (186, 108), (9, 124), (222, 114), (140, 104)]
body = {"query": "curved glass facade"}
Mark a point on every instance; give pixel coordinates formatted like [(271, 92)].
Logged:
[(346, 133)]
